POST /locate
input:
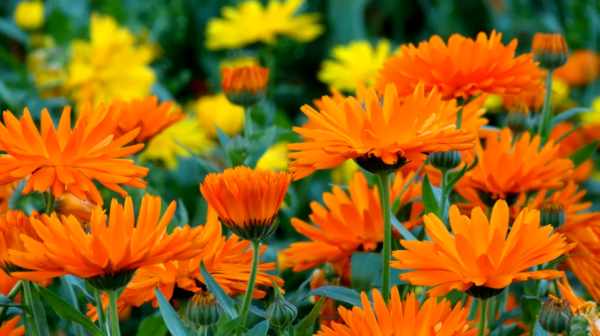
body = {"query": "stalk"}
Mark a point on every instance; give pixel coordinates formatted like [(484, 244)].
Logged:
[(100, 311), (114, 314), (544, 129), (443, 200), (248, 122), (387, 234), (50, 199), (482, 317), (251, 280)]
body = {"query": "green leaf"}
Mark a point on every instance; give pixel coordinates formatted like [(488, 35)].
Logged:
[(152, 325), (407, 235), (337, 293), (557, 119), (538, 330), (455, 176), (77, 282), (170, 316), (205, 164), (302, 327), (259, 329), (299, 291), (252, 309), (10, 29), (63, 309), (364, 268), (552, 264), (184, 217), (583, 153), (6, 302), (223, 138), (228, 327), (429, 200), (224, 300), (260, 146), (36, 320), (277, 290), (530, 305)]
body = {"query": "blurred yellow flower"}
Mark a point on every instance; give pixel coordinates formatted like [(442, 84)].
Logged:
[(560, 92), (251, 22), (493, 103), (358, 61), (216, 110), (164, 149), (29, 15), (242, 61), (110, 65), (344, 173), (48, 71), (275, 158)]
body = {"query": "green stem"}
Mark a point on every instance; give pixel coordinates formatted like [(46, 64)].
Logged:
[(50, 199), (459, 118), (100, 310), (12, 295), (113, 313), (252, 279), (502, 306), (443, 200), (72, 299), (482, 317), (384, 180), (544, 129), (473, 309), (248, 122), (492, 309)]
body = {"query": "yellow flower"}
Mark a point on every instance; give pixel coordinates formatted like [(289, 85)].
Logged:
[(251, 22), (242, 61), (217, 111), (358, 61), (48, 71), (110, 65), (29, 15), (560, 92), (493, 103), (275, 158), (344, 173), (164, 149)]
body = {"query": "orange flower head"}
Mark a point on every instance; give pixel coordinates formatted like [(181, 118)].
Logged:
[(347, 223), (479, 257), (534, 100), (13, 225), (401, 318), (108, 254), (147, 115), (582, 68), (247, 200), (6, 192), (550, 50), (461, 68), (245, 86), (573, 138), (11, 327), (61, 158), (70, 205), (380, 137)]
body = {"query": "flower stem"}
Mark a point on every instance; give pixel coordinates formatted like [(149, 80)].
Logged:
[(12, 295), (50, 199), (544, 129), (248, 122), (100, 311), (482, 317), (252, 279), (444, 199), (387, 234), (113, 313)]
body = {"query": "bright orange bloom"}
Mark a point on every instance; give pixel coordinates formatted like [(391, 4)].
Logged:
[(533, 99), (567, 293), (550, 50), (10, 328), (105, 250), (13, 225), (6, 192), (463, 68), (147, 115), (245, 86), (401, 318), (247, 200), (346, 224), (385, 134), (479, 254), (571, 143), (582, 68), (59, 158), (71, 205)]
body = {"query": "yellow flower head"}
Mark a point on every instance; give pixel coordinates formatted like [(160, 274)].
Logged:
[(29, 15), (275, 158), (109, 66), (356, 62), (163, 147), (251, 22), (217, 111)]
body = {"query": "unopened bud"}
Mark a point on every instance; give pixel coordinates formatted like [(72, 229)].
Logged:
[(555, 316), (281, 313)]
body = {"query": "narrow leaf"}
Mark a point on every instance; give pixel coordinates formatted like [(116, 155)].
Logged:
[(568, 114), (365, 267), (302, 327), (277, 291), (77, 282), (299, 291), (530, 305), (252, 309), (583, 153), (260, 146), (406, 235), (259, 329), (224, 300), (337, 293), (429, 200), (228, 327), (172, 320), (152, 325), (63, 309)]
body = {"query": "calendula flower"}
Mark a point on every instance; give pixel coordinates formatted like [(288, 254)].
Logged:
[(550, 50), (245, 86), (378, 136), (163, 148), (109, 66), (275, 158), (6, 192), (462, 68), (108, 253), (147, 115), (479, 257), (348, 223), (247, 200), (60, 158), (69, 205), (12, 225), (401, 318), (11, 327), (29, 15), (239, 61), (230, 118), (534, 100), (582, 68), (357, 62), (572, 138), (251, 22)]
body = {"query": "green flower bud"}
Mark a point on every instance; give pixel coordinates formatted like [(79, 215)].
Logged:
[(281, 313), (550, 50), (445, 161), (555, 316), (578, 326), (518, 119), (202, 310), (552, 213)]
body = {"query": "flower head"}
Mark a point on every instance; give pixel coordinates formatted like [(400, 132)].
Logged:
[(247, 200), (69, 205), (534, 100), (582, 68), (550, 50), (461, 68), (356, 62), (6, 192), (29, 15), (111, 250), (147, 115), (245, 86), (109, 66), (573, 138), (60, 158), (11, 327), (251, 22), (386, 135), (479, 257), (230, 118), (12, 225), (202, 310), (401, 318)]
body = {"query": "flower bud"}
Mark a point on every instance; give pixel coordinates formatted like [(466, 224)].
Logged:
[(555, 316), (237, 149), (281, 313), (552, 213), (550, 50), (518, 119), (578, 326), (202, 310), (445, 161), (245, 86)]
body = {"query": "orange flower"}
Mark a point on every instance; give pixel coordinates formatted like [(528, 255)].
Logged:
[(401, 318), (550, 50), (6, 192), (245, 86), (107, 253), (479, 257), (381, 137), (59, 158), (347, 224), (13, 225), (533, 99), (147, 115), (71, 205), (10, 328), (463, 68), (582, 68), (247, 200), (571, 143)]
